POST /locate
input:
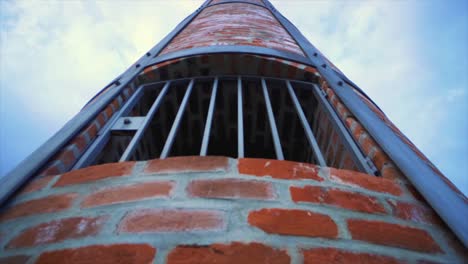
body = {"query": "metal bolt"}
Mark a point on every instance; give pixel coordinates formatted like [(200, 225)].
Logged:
[(138, 65), (127, 121), (117, 83), (315, 54), (340, 83), (148, 54), (324, 65)]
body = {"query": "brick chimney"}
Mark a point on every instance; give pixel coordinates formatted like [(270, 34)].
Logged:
[(233, 140)]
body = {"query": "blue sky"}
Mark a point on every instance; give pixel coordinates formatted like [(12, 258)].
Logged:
[(410, 57)]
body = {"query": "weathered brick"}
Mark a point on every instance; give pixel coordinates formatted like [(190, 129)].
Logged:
[(37, 184), (171, 220), (52, 170), (392, 235), (20, 259), (279, 169), (367, 143), (128, 193), (389, 171), (67, 157), (91, 130), (49, 204), (187, 164), (353, 178), (80, 142), (340, 198), (95, 173), (293, 222), (339, 256), (58, 230), (413, 212), (231, 188), (105, 254), (380, 159), (228, 253)]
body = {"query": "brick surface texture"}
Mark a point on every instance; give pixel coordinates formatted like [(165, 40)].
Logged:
[(234, 24), (232, 253), (106, 254), (221, 210)]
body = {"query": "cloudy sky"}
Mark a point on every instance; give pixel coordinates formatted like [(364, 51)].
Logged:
[(411, 57)]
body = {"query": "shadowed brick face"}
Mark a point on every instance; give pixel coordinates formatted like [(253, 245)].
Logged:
[(221, 210), (108, 254), (232, 253), (234, 24), (338, 256)]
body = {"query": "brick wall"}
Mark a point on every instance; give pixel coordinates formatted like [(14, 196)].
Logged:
[(219, 210), (234, 24), (64, 160)]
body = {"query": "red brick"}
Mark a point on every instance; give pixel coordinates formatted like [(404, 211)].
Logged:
[(340, 198), (103, 254), (67, 157), (101, 119), (128, 193), (414, 212), (92, 130), (109, 112), (187, 164), (367, 143), (49, 204), (58, 230), (228, 253), (380, 159), (80, 142), (231, 188), (94, 173), (353, 178), (21, 259), (392, 235), (391, 172), (279, 169), (339, 256), (293, 222), (37, 184), (171, 220), (53, 170)]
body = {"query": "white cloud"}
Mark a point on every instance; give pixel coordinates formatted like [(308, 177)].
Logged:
[(377, 45)]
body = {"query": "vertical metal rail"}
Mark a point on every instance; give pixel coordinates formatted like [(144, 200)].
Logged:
[(175, 125), (357, 156), (209, 119), (104, 134), (305, 124), (240, 120), (141, 130), (271, 118)]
